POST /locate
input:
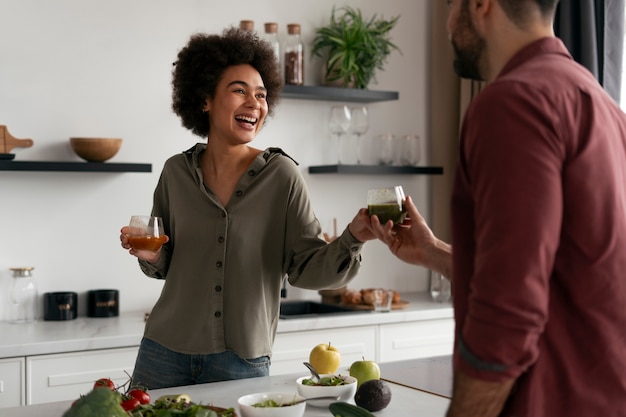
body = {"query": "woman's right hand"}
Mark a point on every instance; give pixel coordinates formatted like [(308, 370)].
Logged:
[(144, 255)]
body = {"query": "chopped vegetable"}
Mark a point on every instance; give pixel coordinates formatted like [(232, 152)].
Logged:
[(100, 402), (327, 381)]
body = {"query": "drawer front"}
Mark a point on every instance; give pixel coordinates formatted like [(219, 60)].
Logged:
[(12, 382), (421, 339), (291, 349), (66, 376)]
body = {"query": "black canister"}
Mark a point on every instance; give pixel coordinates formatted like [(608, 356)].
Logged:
[(60, 305), (103, 303)]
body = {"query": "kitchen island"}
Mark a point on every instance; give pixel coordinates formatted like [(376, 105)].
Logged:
[(405, 401)]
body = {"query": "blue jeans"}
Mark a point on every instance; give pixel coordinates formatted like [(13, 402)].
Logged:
[(159, 367)]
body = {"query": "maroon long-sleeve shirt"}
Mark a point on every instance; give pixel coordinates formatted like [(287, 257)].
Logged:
[(539, 237)]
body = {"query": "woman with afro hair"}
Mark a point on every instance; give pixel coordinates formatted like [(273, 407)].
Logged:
[(238, 220)]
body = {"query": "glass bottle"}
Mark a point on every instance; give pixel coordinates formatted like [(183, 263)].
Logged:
[(294, 56), (271, 36), (24, 306), (247, 25)]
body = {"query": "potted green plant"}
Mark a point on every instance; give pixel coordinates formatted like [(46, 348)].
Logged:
[(354, 48)]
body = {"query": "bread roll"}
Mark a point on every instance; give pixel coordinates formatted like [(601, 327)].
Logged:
[(351, 297)]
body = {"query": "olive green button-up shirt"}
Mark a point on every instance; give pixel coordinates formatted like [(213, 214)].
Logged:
[(224, 266)]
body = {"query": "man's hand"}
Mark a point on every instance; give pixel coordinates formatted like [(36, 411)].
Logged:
[(414, 242)]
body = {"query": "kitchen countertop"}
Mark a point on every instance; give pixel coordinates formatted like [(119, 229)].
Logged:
[(405, 401), (84, 333), (432, 375)]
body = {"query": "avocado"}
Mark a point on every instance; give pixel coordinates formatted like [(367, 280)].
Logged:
[(373, 395)]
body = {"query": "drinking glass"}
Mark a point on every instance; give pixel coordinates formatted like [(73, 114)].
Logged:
[(383, 300), (410, 150), (146, 233), (384, 146), (339, 124), (359, 125), (387, 203), (440, 287)]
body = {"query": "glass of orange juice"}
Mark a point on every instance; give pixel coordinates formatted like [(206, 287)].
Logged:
[(146, 233)]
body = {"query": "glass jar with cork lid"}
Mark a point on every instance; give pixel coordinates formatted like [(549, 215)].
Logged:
[(294, 56), (23, 296)]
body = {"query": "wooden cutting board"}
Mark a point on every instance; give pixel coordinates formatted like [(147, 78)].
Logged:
[(394, 306), (8, 142)]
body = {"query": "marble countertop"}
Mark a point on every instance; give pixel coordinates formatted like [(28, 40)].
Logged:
[(405, 401), (84, 333)]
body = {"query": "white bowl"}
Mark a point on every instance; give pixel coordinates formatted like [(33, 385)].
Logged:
[(344, 392), (247, 410)]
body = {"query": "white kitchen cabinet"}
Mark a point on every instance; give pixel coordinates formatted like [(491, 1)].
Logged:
[(12, 382), (66, 376), (293, 348), (413, 340)]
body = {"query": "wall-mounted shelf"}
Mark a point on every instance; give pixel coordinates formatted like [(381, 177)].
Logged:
[(374, 169), (306, 92), (73, 166)]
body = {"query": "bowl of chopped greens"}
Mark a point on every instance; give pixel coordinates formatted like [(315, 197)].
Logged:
[(341, 386), (271, 404)]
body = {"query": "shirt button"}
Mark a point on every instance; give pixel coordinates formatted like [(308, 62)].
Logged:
[(251, 173), (218, 288), (218, 314), (239, 193), (218, 264), (223, 214), (220, 239)]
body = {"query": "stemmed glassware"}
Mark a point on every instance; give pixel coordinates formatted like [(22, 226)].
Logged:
[(359, 126), (339, 124)]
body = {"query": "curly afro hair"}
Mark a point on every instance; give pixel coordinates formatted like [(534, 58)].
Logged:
[(201, 64)]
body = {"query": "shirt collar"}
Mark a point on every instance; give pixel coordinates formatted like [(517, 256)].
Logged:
[(547, 45)]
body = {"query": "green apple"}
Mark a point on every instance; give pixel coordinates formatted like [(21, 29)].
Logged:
[(325, 358), (364, 371)]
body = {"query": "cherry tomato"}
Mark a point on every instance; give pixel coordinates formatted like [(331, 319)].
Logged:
[(139, 394), (130, 403), (104, 382)]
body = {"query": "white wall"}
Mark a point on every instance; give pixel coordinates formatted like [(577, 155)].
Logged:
[(102, 68)]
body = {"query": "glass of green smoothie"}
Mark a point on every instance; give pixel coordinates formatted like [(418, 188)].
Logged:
[(387, 203)]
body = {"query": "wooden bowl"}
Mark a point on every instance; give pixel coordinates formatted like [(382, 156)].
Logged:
[(95, 149)]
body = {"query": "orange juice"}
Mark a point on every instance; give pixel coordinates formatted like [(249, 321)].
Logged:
[(152, 243)]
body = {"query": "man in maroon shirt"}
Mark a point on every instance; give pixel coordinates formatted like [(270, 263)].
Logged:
[(538, 223)]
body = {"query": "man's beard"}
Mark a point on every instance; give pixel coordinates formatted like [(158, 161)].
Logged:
[(467, 58)]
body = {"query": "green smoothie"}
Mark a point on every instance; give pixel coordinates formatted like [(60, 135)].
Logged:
[(387, 211)]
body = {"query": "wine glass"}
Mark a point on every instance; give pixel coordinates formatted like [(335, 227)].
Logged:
[(387, 203), (339, 124), (146, 233), (358, 126)]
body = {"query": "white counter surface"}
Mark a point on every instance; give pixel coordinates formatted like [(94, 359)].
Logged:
[(83, 333), (405, 401)]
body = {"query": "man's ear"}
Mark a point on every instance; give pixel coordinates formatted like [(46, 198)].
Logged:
[(479, 10), (207, 105)]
